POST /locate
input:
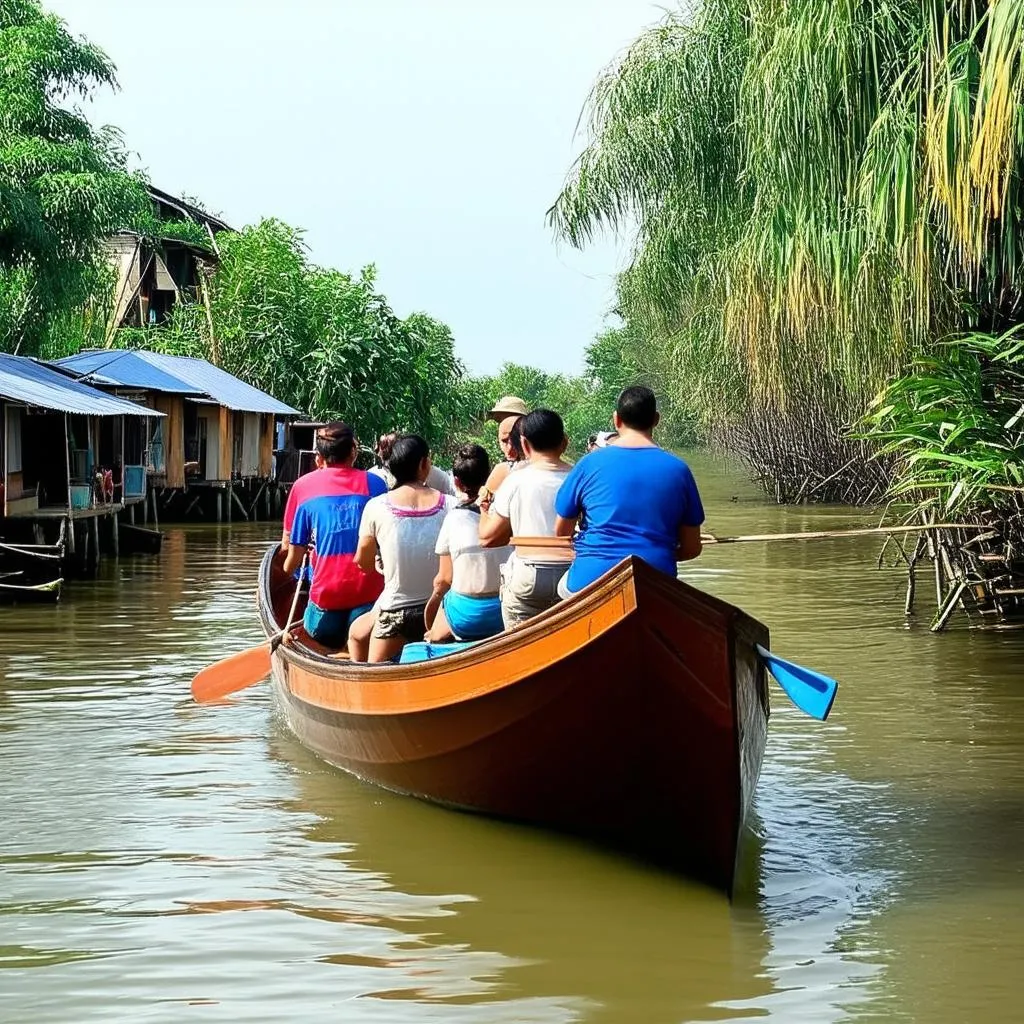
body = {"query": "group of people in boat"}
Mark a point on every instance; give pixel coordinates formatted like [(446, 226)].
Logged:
[(406, 552)]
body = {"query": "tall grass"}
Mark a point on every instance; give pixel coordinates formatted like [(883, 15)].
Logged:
[(816, 193)]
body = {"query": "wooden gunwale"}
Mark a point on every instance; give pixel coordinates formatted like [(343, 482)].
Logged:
[(492, 665)]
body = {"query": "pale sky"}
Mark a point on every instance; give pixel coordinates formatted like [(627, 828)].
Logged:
[(426, 136)]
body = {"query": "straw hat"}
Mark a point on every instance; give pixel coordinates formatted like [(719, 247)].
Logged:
[(508, 405)]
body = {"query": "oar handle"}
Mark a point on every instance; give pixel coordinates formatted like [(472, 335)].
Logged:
[(276, 639)]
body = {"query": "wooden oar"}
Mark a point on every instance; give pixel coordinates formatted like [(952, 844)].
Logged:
[(229, 675)]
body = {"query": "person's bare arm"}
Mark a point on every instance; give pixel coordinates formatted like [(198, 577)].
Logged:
[(366, 554), (689, 545), (285, 540), (442, 584), (495, 530), (565, 527), (443, 579), (294, 557), (495, 479)]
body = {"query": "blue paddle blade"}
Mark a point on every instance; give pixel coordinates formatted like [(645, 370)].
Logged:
[(810, 691)]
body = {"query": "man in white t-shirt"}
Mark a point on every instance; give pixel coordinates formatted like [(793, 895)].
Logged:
[(524, 506)]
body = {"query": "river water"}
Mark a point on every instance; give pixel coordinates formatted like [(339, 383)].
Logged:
[(161, 861)]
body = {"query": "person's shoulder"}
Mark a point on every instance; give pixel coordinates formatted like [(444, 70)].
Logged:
[(376, 485), (375, 504), (303, 486)]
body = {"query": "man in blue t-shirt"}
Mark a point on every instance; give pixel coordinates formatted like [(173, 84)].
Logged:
[(636, 499)]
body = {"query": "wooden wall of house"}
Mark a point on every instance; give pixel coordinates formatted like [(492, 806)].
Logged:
[(250, 446), (266, 446), (173, 408), (227, 442)]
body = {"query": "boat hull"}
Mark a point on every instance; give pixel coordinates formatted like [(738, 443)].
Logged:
[(634, 715)]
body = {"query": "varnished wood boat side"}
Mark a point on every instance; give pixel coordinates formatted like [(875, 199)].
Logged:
[(634, 715)]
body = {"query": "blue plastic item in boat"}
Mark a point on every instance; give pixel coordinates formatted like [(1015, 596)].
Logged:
[(413, 653)]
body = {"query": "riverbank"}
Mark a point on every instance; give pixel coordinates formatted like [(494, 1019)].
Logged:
[(161, 858)]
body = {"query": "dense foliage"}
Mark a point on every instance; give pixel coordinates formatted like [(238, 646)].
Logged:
[(585, 401), (956, 423), (819, 191), (64, 185), (325, 342)]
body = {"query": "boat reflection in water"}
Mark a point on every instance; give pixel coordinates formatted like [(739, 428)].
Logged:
[(461, 908)]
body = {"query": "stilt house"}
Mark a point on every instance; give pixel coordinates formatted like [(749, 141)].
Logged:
[(154, 274), (68, 451), (217, 429)]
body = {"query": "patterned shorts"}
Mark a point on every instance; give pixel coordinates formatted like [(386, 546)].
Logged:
[(402, 622)]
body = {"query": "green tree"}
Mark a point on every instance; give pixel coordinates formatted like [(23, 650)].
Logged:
[(818, 191), (64, 185), (585, 401), (323, 341)]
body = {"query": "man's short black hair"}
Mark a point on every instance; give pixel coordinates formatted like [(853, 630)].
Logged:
[(544, 430), (407, 455), (335, 442), (471, 467), (637, 407)]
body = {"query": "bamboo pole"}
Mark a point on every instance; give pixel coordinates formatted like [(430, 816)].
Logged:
[(710, 538), (867, 531)]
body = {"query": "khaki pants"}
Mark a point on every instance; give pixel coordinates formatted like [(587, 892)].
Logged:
[(527, 590)]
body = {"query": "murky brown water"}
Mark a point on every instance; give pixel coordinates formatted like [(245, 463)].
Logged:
[(161, 861)]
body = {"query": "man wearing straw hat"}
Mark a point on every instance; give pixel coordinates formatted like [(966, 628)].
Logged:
[(507, 412)]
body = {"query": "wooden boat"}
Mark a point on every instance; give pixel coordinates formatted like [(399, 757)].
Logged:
[(30, 572), (634, 715), (14, 592)]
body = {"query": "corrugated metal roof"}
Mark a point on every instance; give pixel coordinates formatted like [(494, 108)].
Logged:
[(25, 380), (121, 368), (177, 374), (218, 384)]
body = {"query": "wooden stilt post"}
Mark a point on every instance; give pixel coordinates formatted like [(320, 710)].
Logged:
[(67, 461), (238, 501), (115, 541), (217, 502), (131, 515), (95, 529), (156, 520)]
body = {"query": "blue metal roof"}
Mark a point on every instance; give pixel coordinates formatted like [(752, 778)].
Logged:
[(121, 368), (177, 374), (25, 380), (220, 385)]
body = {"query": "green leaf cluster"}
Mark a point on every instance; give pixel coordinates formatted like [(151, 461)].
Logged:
[(323, 341), (584, 401), (956, 423), (64, 185)]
